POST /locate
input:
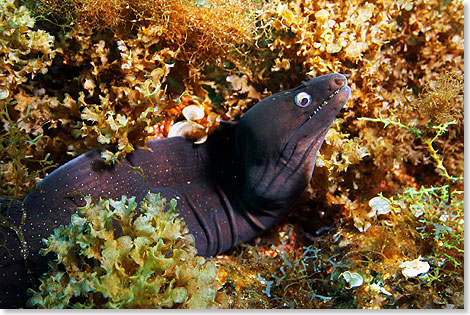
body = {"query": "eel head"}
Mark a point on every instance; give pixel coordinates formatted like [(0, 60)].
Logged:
[(277, 141)]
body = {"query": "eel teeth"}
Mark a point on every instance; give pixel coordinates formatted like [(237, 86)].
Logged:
[(325, 102)]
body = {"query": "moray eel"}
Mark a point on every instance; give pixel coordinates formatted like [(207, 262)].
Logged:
[(235, 185)]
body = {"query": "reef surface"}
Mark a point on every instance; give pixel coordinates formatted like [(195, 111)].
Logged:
[(381, 223)]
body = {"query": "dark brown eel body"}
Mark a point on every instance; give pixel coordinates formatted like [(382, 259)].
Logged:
[(229, 189)]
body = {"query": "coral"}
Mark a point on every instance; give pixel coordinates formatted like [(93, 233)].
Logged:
[(151, 264)]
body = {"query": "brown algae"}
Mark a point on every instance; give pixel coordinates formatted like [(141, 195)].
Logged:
[(388, 184)]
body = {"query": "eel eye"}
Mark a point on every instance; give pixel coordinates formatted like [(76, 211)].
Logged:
[(303, 99)]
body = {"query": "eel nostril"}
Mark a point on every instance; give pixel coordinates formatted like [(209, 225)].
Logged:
[(340, 81)]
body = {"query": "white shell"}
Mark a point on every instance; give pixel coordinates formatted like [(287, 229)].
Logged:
[(414, 268), (190, 130), (4, 93), (379, 206), (201, 140), (353, 278), (193, 112), (180, 128)]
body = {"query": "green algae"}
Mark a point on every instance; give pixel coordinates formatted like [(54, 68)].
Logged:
[(151, 264)]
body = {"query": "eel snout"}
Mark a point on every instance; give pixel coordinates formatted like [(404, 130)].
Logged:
[(339, 84), (338, 81)]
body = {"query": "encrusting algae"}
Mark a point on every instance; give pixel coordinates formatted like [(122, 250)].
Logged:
[(387, 190)]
